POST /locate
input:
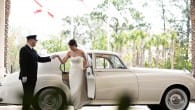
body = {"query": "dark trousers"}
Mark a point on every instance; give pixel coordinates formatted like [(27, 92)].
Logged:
[(28, 89)]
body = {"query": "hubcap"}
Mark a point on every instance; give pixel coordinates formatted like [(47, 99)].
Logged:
[(176, 99), (50, 100)]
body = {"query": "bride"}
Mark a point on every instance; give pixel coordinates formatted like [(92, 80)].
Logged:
[(77, 77)]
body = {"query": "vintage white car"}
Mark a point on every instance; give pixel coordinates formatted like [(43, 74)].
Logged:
[(107, 78)]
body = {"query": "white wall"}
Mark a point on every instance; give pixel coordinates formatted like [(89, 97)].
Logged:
[(2, 35)]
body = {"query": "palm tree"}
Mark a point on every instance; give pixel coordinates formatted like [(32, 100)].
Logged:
[(172, 47), (120, 40), (137, 38), (192, 9), (148, 46), (165, 45), (157, 44)]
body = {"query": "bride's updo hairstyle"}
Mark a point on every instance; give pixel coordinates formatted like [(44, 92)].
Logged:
[(72, 42)]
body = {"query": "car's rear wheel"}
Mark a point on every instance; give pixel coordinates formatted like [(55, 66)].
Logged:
[(50, 99), (175, 99)]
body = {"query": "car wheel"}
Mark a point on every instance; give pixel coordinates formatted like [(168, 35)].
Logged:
[(49, 99), (175, 99), (154, 107)]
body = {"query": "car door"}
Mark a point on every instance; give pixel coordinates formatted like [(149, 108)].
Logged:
[(113, 78), (90, 77)]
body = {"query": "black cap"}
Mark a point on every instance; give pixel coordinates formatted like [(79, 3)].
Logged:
[(31, 37)]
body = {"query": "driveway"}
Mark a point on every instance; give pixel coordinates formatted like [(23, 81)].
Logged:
[(13, 107)]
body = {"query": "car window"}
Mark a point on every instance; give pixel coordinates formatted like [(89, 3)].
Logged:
[(116, 62), (89, 59), (102, 63), (66, 67), (108, 61)]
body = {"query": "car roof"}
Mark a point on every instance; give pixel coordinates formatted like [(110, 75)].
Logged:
[(88, 51), (101, 52)]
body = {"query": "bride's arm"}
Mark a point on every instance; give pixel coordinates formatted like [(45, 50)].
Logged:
[(84, 61), (62, 61)]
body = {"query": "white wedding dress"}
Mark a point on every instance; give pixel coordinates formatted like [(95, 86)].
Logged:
[(78, 83)]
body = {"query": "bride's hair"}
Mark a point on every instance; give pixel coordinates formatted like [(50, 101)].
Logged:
[(72, 42)]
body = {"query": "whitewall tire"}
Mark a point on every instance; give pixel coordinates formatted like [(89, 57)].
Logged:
[(175, 99), (49, 99)]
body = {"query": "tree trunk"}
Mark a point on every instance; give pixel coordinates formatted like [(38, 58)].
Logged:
[(172, 53), (164, 57), (192, 13), (163, 16), (137, 57), (188, 29), (150, 57), (143, 58), (157, 57), (142, 54), (134, 57)]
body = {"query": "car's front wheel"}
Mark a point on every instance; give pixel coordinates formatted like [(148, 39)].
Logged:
[(49, 99), (175, 99)]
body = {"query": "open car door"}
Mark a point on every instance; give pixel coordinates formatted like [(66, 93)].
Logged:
[(90, 78)]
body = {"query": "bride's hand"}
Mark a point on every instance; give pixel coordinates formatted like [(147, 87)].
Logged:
[(84, 70), (54, 56)]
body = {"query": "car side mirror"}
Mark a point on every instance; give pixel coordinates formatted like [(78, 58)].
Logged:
[(63, 69)]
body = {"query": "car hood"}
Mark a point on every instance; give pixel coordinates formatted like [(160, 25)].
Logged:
[(10, 78), (158, 71)]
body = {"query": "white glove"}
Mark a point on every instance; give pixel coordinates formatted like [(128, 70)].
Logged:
[(24, 79), (53, 56)]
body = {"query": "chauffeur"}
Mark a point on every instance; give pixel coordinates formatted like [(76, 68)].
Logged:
[(28, 60)]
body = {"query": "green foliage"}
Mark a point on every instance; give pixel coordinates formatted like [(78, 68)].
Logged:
[(181, 58), (121, 4), (65, 67), (100, 42), (168, 63), (54, 45), (127, 58), (13, 55), (120, 41), (15, 42), (127, 33)]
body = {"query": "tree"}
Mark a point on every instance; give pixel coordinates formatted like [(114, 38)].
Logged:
[(12, 54), (120, 41), (100, 42), (54, 45), (137, 38), (172, 48), (149, 43), (15, 42), (181, 24), (192, 15)]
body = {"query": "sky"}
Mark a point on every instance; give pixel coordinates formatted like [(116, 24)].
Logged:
[(23, 14)]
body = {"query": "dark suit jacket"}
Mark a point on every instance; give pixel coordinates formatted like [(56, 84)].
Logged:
[(28, 60)]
